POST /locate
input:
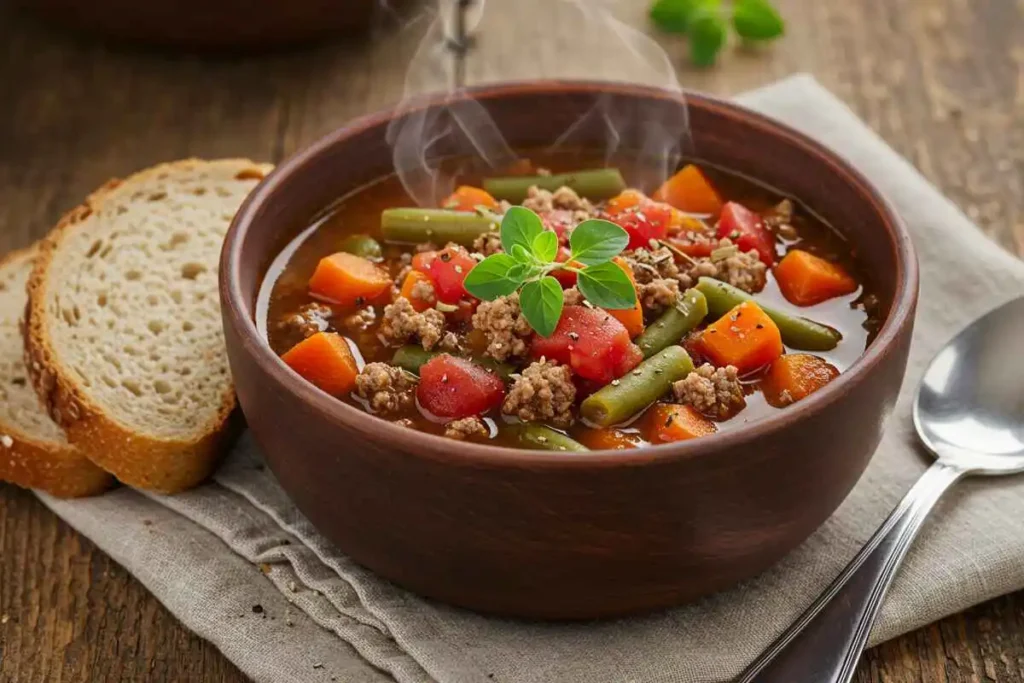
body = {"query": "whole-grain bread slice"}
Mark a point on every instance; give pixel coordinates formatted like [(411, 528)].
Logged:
[(34, 451), (123, 329)]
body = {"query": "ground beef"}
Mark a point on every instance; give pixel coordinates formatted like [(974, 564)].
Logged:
[(386, 388), (715, 392), (745, 271), (401, 322), (360, 320), (564, 198), (650, 265), (657, 295), (503, 326), (779, 220), (465, 428), (308, 320), (488, 243), (450, 342), (422, 290), (544, 391), (538, 200), (572, 297)]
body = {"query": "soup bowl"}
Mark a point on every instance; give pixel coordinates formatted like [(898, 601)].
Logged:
[(557, 535)]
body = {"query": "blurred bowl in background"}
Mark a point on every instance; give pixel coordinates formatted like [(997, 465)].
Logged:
[(212, 24)]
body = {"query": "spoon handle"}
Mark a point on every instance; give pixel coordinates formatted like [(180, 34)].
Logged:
[(825, 643)]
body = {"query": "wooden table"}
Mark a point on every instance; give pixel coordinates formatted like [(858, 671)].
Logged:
[(940, 80)]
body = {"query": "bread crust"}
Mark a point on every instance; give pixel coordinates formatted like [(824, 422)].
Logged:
[(155, 464), (60, 470)]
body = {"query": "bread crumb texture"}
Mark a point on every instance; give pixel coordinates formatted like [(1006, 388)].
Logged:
[(19, 406)]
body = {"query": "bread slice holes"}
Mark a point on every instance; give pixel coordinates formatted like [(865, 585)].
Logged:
[(187, 326), (199, 191), (175, 241), (133, 275), (19, 381), (132, 386), (222, 192), (185, 371), (106, 251), (176, 296), (122, 210), (153, 300), (161, 387), (69, 316), (157, 196), (101, 300), (131, 350), (155, 326), (249, 174), (190, 271), (94, 249), (109, 381)]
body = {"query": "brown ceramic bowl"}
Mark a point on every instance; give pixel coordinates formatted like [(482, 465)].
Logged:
[(538, 534), (206, 24)]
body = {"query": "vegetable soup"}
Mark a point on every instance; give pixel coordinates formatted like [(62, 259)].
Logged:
[(565, 310)]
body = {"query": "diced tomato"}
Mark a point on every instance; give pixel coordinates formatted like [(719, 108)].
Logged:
[(448, 271), (558, 220), (746, 229), (421, 260), (566, 278), (648, 221), (592, 342), (454, 388)]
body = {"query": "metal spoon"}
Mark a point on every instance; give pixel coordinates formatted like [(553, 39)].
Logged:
[(969, 413)]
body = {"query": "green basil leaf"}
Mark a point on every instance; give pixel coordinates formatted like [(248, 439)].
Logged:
[(757, 20), (522, 254), (520, 226), (607, 285), (545, 246), (490, 278), (597, 241), (673, 16), (541, 302), (707, 30)]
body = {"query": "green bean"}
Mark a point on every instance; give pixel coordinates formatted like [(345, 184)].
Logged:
[(689, 311), (634, 391), (411, 358), (540, 438), (797, 332), (440, 226), (596, 184), (362, 245)]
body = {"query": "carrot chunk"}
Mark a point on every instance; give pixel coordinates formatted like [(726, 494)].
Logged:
[(624, 201), (467, 198), (348, 280), (745, 337), (326, 361), (409, 284), (667, 422), (690, 191), (806, 279), (795, 376), (631, 318), (608, 439)]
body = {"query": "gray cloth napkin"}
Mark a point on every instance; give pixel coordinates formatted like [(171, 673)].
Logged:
[(241, 567)]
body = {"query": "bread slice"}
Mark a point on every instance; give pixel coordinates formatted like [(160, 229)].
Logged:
[(34, 452), (123, 328)]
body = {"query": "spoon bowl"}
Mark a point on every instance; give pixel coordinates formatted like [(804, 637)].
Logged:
[(969, 410)]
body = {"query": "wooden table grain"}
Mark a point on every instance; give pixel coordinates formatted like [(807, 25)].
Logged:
[(941, 80)]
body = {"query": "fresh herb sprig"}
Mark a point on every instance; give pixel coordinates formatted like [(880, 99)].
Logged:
[(529, 259), (704, 22)]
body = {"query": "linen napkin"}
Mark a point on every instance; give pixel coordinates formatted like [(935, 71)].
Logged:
[(237, 563)]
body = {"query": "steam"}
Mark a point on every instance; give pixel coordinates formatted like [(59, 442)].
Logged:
[(456, 47)]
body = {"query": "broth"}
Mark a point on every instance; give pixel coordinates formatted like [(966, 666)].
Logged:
[(286, 290)]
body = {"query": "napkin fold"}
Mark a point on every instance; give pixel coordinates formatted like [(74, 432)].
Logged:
[(239, 565)]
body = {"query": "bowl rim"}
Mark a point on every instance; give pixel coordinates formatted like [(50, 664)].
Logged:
[(239, 312)]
